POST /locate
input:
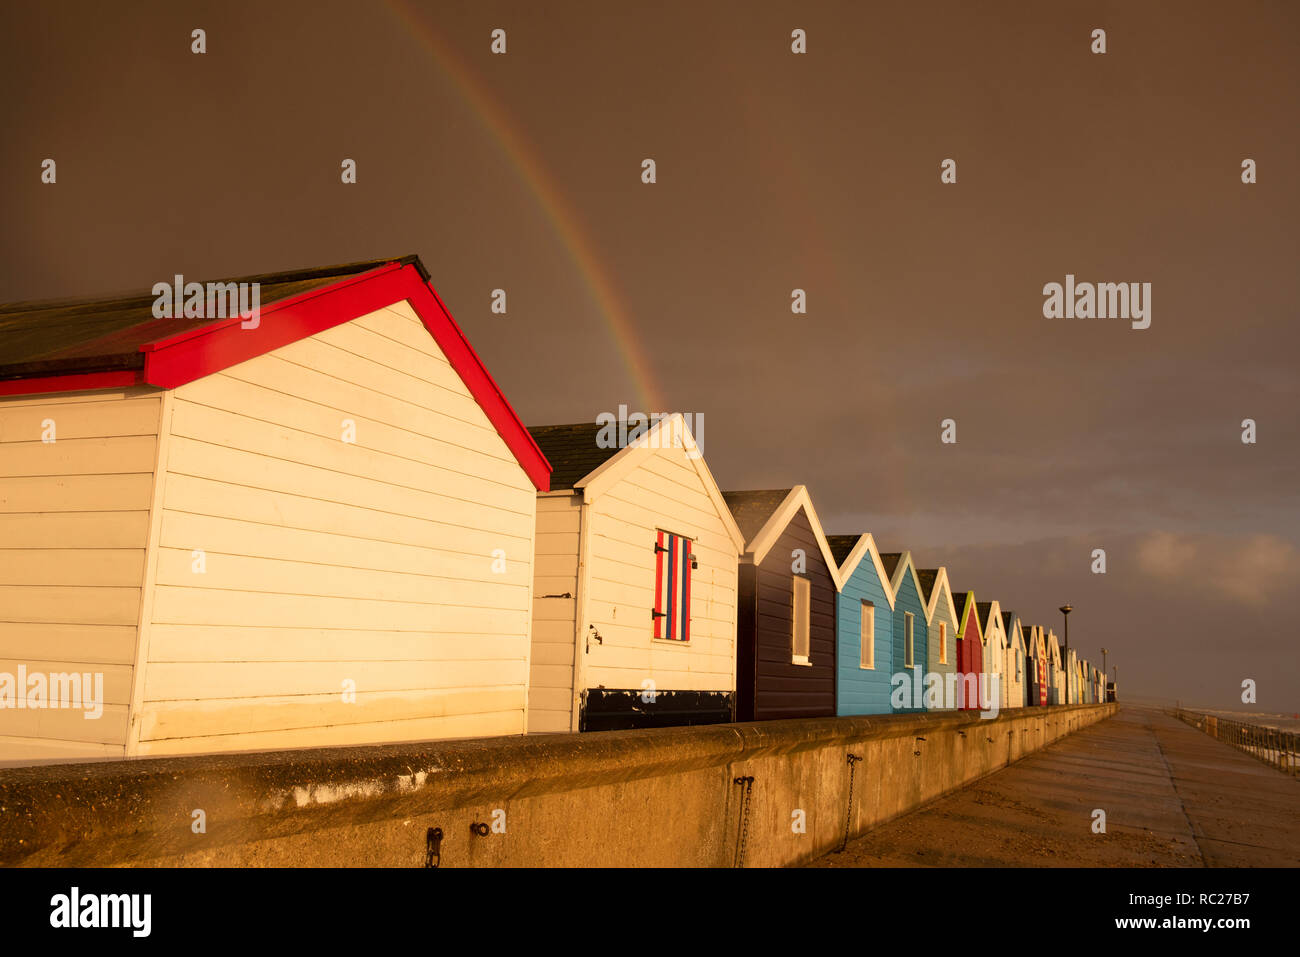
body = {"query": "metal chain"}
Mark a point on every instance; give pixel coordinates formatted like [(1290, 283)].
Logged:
[(848, 814), (748, 783)]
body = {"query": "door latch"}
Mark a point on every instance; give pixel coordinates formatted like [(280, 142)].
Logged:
[(433, 847)]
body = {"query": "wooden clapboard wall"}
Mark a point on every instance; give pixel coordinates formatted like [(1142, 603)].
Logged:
[(326, 562), (1013, 673), (863, 682), (941, 629), (74, 529), (551, 705), (995, 648), (770, 685), (663, 492)]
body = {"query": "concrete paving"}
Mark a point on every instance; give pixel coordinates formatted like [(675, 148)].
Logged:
[(1172, 796)]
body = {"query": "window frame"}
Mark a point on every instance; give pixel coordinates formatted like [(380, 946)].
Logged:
[(796, 658), (867, 636), (909, 640)]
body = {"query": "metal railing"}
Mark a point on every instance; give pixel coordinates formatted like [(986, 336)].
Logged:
[(1277, 748)]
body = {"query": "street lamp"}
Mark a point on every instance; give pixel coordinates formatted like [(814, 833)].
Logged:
[(1065, 656)]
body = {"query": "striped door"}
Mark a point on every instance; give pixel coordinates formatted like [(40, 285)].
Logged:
[(672, 613)]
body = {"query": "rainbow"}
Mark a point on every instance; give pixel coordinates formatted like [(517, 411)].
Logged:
[(496, 119)]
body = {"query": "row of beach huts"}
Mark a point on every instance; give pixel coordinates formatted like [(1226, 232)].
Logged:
[(323, 524)]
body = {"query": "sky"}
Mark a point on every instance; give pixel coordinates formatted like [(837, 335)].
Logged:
[(774, 171)]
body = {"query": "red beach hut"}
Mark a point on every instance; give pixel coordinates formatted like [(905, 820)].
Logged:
[(970, 650)]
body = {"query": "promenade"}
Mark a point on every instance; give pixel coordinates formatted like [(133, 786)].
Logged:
[(1172, 795)]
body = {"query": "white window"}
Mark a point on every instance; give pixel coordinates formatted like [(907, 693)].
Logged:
[(867, 656), (799, 641), (907, 640), (943, 642)]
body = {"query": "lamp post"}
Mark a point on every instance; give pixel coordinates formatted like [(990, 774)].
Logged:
[(1065, 656)]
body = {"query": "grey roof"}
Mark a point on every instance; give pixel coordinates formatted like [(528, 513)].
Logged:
[(572, 451), (70, 336), (927, 577), (752, 509), (890, 561), (1017, 634), (841, 546)]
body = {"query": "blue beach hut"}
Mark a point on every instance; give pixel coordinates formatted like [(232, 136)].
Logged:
[(911, 645), (864, 622)]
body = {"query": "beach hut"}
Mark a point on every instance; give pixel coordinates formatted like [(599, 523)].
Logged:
[(864, 635), (281, 511), (1014, 671), (1027, 637), (941, 624), (995, 649), (1055, 669), (1037, 665), (970, 650), (911, 643), (634, 599), (785, 656)]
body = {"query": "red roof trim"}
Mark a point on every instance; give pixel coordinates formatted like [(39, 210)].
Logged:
[(279, 304), (71, 383), (477, 379), (184, 357)]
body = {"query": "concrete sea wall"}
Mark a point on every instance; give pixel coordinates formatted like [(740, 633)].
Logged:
[(664, 797)]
